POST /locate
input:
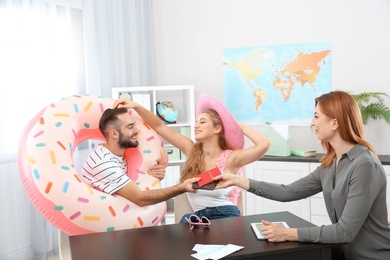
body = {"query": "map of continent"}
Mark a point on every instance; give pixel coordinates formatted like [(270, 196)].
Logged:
[(276, 84)]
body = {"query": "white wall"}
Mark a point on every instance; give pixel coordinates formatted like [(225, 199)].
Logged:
[(190, 36)]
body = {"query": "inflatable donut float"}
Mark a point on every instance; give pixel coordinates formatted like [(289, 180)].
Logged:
[(45, 161)]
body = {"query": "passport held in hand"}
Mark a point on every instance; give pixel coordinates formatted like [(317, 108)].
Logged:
[(206, 179)]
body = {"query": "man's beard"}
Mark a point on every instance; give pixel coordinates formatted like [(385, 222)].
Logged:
[(125, 142)]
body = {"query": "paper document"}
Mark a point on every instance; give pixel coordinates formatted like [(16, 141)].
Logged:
[(280, 139), (214, 251)]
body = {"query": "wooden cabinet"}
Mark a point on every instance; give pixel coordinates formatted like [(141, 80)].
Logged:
[(281, 173)]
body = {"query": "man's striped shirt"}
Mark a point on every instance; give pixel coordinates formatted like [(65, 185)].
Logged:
[(105, 171)]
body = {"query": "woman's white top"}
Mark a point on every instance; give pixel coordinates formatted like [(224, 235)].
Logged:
[(214, 198)]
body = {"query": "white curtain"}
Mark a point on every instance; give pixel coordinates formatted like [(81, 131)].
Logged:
[(56, 48), (120, 44)]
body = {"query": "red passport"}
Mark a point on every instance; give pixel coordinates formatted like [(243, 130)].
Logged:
[(207, 176)]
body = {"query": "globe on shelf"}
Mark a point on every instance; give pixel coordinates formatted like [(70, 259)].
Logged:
[(167, 111)]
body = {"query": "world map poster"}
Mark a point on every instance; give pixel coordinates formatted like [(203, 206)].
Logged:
[(276, 84)]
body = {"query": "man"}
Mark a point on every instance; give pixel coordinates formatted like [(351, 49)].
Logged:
[(105, 168)]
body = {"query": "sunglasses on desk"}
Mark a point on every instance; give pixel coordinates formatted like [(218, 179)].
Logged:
[(194, 220)]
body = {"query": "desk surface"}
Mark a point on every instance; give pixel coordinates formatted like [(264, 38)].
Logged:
[(177, 240)]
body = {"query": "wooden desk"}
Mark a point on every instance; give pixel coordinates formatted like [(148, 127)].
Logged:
[(177, 240)]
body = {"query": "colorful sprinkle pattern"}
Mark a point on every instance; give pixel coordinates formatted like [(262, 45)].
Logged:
[(48, 152)]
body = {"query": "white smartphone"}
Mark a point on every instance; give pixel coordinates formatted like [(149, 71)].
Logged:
[(258, 225)]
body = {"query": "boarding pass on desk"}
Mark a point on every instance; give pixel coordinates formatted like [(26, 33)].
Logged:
[(214, 251)]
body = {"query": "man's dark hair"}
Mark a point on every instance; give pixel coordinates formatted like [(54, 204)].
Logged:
[(110, 119)]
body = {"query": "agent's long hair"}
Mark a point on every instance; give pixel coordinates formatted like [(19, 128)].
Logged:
[(342, 106), (195, 161)]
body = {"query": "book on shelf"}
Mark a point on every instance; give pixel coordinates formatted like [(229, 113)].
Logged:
[(303, 152)]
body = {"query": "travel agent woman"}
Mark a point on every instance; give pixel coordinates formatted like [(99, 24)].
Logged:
[(351, 178)]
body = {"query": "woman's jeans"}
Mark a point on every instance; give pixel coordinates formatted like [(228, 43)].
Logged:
[(214, 213)]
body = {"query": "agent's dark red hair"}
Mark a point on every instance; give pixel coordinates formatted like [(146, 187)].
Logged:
[(342, 106)]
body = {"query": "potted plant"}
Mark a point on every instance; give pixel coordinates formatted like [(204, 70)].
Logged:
[(371, 106)]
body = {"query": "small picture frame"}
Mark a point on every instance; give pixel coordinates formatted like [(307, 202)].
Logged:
[(256, 226)]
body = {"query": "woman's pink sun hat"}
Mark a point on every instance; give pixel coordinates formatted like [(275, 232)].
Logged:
[(233, 134)]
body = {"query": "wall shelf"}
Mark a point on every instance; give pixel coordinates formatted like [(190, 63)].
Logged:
[(183, 98)]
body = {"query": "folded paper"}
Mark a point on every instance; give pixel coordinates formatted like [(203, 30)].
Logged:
[(214, 251), (279, 136)]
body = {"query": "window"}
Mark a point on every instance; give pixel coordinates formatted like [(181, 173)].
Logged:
[(42, 61)]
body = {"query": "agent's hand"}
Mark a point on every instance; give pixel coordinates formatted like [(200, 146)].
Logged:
[(230, 179), (224, 180), (123, 102), (273, 232), (157, 171)]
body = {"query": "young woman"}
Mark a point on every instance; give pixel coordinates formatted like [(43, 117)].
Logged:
[(219, 143), (351, 178)]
